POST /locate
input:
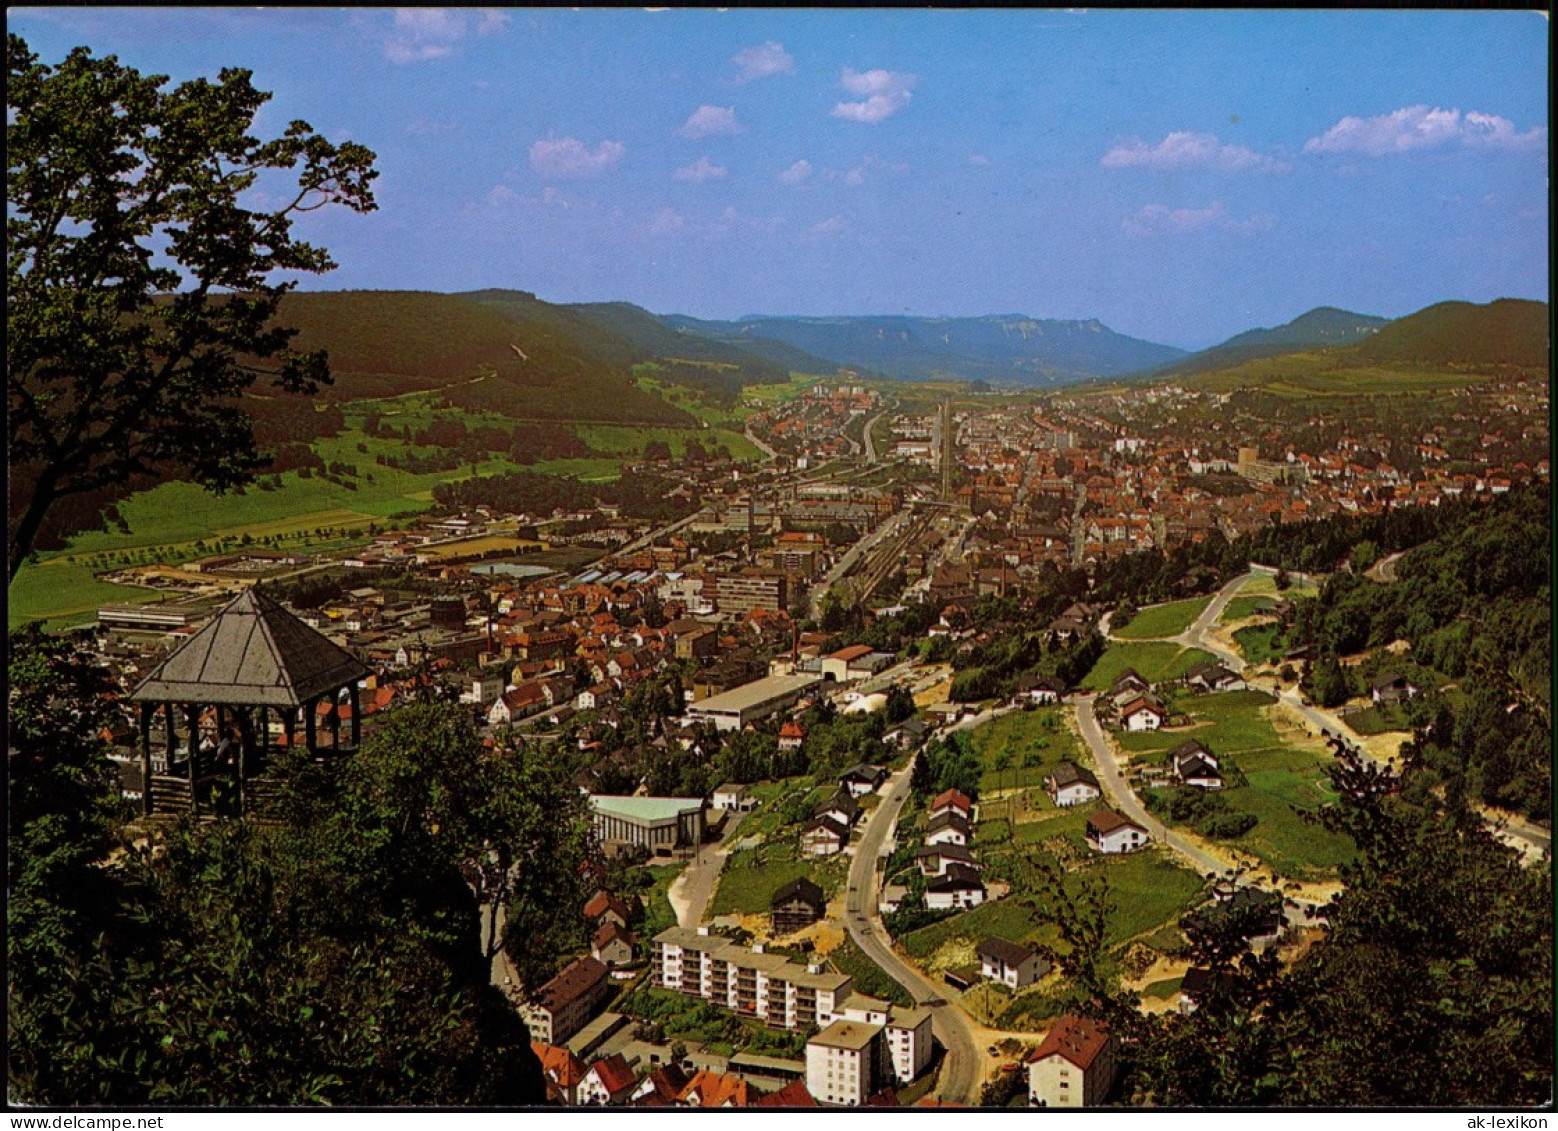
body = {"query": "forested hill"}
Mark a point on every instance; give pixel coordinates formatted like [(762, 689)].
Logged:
[(1474, 604), (384, 343), (1506, 332)]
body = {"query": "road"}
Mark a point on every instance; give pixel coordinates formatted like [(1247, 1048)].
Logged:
[(962, 1069), (852, 555), (759, 445), (691, 891), (871, 453), (1195, 636)]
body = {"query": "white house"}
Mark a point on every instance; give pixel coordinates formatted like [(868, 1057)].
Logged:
[(1010, 963), (1111, 832), (1068, 784), (735, 798), (948, 828), (960, 887), (823, 836), (1142, 713)]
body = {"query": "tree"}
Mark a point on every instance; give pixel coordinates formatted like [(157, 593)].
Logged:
[(140, 299)]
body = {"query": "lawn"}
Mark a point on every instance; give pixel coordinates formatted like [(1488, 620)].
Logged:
[(867, 976), (658, 912), (752, 875), (1165, 990), (1378, 720), (1247, 606), (1153, 660), (68, 592), (1147, 889), (1162, 621)]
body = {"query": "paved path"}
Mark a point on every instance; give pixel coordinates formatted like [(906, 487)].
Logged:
[(1196, 635), (691, 891), (962, 1070)]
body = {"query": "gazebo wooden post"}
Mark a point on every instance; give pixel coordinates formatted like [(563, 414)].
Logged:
[(192, 717), (335, 725), (173, 741), (289, 726), (356, 717), (147, 710), (310, 720)]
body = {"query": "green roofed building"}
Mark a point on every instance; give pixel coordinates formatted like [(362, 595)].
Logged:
[(657, 823)]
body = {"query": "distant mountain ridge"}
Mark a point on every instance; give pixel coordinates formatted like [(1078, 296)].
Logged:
[(1507, 331), (997, 347)]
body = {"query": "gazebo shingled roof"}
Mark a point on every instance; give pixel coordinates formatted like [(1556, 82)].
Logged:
[(254, 653)]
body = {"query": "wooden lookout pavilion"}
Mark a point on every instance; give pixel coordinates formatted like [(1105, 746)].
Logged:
[(252, 659)]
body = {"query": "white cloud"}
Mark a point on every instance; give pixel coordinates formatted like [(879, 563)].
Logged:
[(1418, 127), (762, 61), (796, 173), (978, 159), (711, 121), (570, 157), (1160, 219), (501, 195), (832, 226), (666, 221), (884, 93), (702, 170), (419, 34), (1185, 150)]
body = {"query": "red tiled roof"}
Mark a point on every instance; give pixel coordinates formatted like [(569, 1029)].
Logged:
[(614, 1074), (558, 1064), (1078, 1039), (951, 797), (602, 902), (714, 1090), (793, 1094), (1105, 821)]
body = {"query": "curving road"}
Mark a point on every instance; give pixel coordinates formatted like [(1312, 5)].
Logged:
[(962, 1070)]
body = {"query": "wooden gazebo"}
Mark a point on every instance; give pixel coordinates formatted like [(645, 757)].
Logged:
[(253, 658)]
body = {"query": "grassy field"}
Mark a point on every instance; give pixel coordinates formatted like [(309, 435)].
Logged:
[(1153, 660), (752, 874), (61, 592), (1160, 621), (798, 386), (624, 440), (658, 912)]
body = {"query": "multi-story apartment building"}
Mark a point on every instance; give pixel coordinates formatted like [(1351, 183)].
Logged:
[(747, 980)]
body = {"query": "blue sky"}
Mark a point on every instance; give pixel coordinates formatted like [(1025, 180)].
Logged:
[(1181, 176)]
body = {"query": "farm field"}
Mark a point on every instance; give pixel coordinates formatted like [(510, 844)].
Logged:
[(1247, 605), (1153, 660), (1161, 621)]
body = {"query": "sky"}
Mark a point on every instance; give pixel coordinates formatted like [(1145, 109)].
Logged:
[(1182, 176)]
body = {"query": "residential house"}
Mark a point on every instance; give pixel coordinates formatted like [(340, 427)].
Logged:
[(1195, 765), (1074, 1066), (842, 807), (733, 798), (952, 799), (958, 887), (1039, 689), (1068, 784), (935, 859), (791, 736), (1198, 984), (862, 779), (714, 1090), (908, 734), (1143, 712), (603, 906), (948, 827), (660, 1088), (564, 1004), (1392, 687), (1111, 832), (561, 1070), (823, 836), (609, 1081), (1009, 963), (1213, 676), (793, 1094), (612, 945), (796, 905)]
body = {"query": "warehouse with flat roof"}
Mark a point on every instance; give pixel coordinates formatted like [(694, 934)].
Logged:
[(751, 702), (655, 823)]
